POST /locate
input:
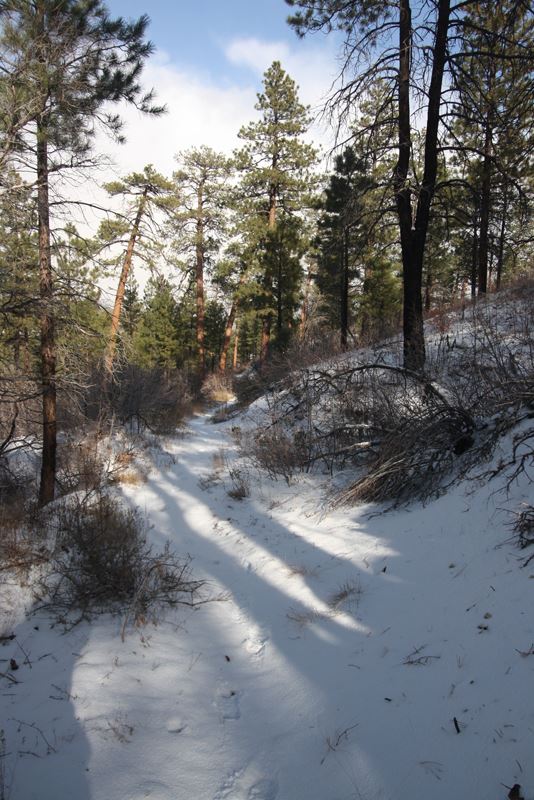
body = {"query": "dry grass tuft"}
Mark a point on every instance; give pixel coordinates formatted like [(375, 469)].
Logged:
[(347, 597)]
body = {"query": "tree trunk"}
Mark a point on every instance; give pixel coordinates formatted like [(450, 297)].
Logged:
[(227, 336), (48, 343), (344, 316), (305, 310), (201, 312), (230, 323), (402, 191), (500, 255), (474, 258), (267, 321), (485, 199), (279, 299), (429, 285), (413, 242), (119, 297), (236, 348), (265, 337)]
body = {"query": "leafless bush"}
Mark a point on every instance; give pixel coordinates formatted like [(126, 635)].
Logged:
[(153, 399), (80, 466), (413, 458), (275, 451), (395, 424), (217, 388), (240, 483), (22, 546), (280, 367), (523, 526), (102, 563), (411, 434)]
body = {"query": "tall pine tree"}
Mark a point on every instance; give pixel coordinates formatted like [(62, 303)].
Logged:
[(66, 60), (275, 164)]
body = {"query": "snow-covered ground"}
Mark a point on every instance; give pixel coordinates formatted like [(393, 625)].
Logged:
[(349, 656)]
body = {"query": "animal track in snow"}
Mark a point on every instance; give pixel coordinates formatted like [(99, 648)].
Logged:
[(255, 638), (227, 703)]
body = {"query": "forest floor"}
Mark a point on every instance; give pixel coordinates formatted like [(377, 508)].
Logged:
[(347, 654)]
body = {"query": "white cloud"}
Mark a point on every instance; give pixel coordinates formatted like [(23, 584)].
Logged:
[(255, 54), (313, 68), (201, 111), (204, 112), (198, 112)]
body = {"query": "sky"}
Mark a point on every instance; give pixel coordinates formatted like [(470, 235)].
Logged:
[(209, 59)]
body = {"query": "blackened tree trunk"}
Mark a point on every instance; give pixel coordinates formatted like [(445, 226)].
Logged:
[(413, 236), (412, 309), (48, 341)]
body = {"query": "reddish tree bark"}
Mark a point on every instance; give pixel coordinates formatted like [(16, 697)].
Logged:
[(119, 297)]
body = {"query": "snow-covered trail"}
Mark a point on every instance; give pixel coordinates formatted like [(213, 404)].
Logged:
[(332, 668)]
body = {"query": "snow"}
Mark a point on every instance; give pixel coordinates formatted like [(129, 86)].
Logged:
[(340, 647)]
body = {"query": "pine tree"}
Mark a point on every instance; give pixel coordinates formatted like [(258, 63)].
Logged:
[(156, 341), (493, 131), (369, 28), (65, 61), (275, 166), (341, 242), (201, 220), (146, 193)]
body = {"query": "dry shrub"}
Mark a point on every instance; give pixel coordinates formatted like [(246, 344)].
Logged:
[(102, 563), (217, 388), (240, 483), (280, 366), (523, 526), (80, 466), (130, 477), (410, 435), (21, 546), (347, 597), (402, 430), (275, 451), (153, 399)]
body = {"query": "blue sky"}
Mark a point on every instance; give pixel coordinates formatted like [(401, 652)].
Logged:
[(195, 33), (207, 69)]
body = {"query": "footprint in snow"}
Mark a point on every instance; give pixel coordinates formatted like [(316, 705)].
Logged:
[(228, 787), (227, 703), (154, 789), (255, 642), (176, 725), (265, 789)]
